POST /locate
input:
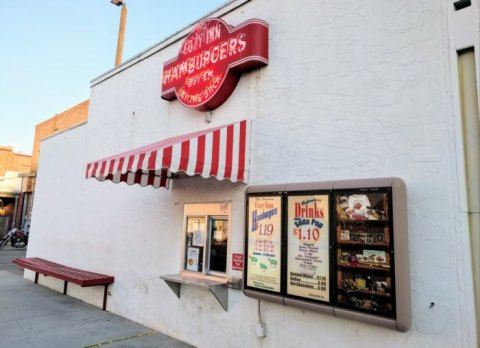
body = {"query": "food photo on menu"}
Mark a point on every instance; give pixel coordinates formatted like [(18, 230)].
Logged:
[(361, 207)]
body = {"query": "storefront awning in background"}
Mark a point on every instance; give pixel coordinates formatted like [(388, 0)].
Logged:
[(220, 152)]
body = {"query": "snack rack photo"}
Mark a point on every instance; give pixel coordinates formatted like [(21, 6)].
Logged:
[(364, 255)]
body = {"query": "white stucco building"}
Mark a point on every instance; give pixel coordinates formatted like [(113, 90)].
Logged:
[(352, 90)]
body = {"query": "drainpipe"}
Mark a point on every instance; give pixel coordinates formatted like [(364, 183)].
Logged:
[(471, 144)]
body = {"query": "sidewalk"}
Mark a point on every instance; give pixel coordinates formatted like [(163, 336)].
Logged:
[(33, 316)]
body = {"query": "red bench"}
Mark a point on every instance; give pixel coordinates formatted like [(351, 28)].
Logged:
[(68, 274)]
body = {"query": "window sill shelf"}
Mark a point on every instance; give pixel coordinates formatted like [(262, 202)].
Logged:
[(218, 288)]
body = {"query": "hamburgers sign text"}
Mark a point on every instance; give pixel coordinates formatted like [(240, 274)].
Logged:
[(210, 62)]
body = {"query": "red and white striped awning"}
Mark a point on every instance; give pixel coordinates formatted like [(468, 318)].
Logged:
[(220, 152)]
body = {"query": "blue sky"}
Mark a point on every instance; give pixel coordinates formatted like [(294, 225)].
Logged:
[(51, 49)]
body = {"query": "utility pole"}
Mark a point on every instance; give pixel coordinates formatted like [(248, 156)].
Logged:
[(121, 30)]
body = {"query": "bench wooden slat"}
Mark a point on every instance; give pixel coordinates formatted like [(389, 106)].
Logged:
[(52, 269), (57, 267)]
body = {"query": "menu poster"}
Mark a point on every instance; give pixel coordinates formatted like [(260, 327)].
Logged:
[(308, 247), (264, 228), (197, 239), (192, 259)]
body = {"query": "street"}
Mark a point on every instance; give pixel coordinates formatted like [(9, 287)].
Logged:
[(7, 254)]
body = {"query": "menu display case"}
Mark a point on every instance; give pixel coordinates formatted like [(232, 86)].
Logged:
[(364, 255), (340, 248)]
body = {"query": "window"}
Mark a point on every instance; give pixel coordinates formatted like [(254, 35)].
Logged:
[(206, 238), (218, 236), (195, 244)]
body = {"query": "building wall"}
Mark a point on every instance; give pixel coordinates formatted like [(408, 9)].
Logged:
[(353, 90), (11, 165), (10, 161), (60, 122)]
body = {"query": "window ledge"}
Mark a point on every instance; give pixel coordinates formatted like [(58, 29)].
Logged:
[(219, 288)]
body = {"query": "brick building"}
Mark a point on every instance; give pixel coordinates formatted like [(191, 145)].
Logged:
[(67, 119), (12, 165)]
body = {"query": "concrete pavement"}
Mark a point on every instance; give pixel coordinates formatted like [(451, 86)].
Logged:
[(7, 254), (33, 316)]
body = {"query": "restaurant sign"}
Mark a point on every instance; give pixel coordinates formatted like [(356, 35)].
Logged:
[(210, 61)]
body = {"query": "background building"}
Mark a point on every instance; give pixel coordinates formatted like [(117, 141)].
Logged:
[(65, 120), (59, 123), (12, 166)]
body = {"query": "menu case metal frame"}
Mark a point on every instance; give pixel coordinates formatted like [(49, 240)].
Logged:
[(400, 318)]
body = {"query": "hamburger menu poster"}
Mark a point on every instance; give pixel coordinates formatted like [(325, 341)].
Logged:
[(264, 225)]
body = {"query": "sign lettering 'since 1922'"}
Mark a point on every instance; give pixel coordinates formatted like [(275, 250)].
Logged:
[(210, 61)]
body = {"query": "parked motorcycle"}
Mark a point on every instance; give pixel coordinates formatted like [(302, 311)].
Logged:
[(17, 238)]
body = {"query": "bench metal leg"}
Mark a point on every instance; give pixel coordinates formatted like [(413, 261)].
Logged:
[(105, 297), (65, 287), (36, 277)]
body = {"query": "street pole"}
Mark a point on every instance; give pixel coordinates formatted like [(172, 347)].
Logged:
[(121, 34)]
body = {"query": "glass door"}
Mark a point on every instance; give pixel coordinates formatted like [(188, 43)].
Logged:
[(218, 242)]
